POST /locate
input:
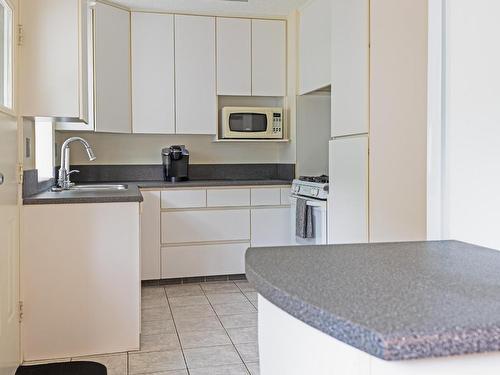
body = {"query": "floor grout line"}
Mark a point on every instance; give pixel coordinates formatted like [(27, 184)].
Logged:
[(176, 331), (225, 329)]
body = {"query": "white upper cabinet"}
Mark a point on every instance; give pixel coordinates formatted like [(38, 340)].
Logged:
[(315, 46), (195, 75), (53, 59), (268, 58), (234, 56), (350, 67), (153, 94), (112, 69)]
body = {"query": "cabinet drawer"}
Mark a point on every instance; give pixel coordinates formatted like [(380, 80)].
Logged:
[(228, 197), (205, 226), (266, 197), (285, 196), (184, 198), (203, 260)]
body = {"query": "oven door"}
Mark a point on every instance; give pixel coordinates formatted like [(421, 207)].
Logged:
[(319, 214)]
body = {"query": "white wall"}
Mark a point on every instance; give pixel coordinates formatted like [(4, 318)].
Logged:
[(472, 210), (313, 133), (146, 149)]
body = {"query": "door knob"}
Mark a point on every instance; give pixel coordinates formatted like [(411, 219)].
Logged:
[(1, 178)]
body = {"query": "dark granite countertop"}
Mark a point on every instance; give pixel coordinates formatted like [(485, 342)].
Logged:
[(133, 193), (395, 301)]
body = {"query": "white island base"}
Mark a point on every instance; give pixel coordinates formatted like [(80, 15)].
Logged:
[(288, 346)]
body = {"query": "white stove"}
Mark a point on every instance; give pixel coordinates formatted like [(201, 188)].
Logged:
[(311, 187)]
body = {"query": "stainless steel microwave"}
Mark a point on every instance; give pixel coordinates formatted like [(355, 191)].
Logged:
[(252, 123)]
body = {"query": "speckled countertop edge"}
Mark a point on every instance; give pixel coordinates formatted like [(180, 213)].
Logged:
[(133, 194), (395, 347)]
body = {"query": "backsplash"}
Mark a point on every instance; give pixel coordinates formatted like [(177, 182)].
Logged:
[(115, 149)]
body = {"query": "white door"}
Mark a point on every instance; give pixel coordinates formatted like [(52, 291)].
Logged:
[(268, 58), (315, 46), (234, 56), (271, 226), (9, 247), (153, 99), (195, 81), (112, 69), (350, 66), (348, 198)]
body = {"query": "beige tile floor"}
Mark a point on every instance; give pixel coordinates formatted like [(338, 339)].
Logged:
[(193, 329)]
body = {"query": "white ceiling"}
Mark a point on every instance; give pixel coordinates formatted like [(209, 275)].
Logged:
[(252, 7)]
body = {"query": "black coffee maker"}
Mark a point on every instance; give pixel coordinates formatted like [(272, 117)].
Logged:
[(175, 163)]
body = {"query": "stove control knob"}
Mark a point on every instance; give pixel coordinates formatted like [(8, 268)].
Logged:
[(314, 192)]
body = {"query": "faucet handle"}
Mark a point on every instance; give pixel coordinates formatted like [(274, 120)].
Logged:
[(73, 171)]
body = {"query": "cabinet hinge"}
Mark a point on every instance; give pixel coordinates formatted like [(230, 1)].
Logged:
[(20, 174), (20, 35), (21, 311)]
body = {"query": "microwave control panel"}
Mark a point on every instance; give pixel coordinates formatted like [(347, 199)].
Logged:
[(277, 123)]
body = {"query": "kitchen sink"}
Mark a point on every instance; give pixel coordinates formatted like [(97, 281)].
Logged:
[(99, 187), (95, 187)]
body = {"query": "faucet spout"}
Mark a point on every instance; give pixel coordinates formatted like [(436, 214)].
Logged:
[(64, 172)]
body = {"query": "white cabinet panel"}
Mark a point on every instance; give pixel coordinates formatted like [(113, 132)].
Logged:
[(268, 58), (234, 56), (83, 298), (150, 236), (112, 69), (350, 67), (195, 81), (153, 104), (53, 58), (203, 260), (184, 198), (205, 226), (348, 203), (271, 226), (228, 197), (315, 46), (266, 197)]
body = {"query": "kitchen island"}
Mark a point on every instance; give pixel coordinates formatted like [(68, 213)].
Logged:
[(398, 308)]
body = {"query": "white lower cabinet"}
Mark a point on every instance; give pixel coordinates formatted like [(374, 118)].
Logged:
[(271, 226), (206, 231), (205, 226), (150, 236), (203, 260)]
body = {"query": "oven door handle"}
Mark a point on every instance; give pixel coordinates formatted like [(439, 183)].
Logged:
[(310, 201)]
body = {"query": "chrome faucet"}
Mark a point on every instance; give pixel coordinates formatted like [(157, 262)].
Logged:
[(64, 181)]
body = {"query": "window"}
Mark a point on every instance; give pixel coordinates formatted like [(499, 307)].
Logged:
[(44, 150), (6, 46)]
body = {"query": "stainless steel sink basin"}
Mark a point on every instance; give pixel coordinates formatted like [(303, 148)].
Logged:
[(99, 187)]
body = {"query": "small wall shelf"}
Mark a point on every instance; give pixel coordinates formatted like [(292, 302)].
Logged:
[(217, 140)]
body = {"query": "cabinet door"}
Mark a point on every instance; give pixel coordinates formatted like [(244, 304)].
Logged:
[(150, 236), (350, 67), (268, 58), (348, 203), (153, 73), (271, 226), (234, 56), (195, 83), (112, 69), (53, 59), (315, 46)]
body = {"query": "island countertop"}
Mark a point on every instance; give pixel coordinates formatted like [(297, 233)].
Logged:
[(395, 301)]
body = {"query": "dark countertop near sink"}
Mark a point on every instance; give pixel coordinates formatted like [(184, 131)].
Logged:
[(395, 301), (133, 193)]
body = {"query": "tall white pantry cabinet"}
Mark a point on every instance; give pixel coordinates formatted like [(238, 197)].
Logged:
[(379, 121)]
